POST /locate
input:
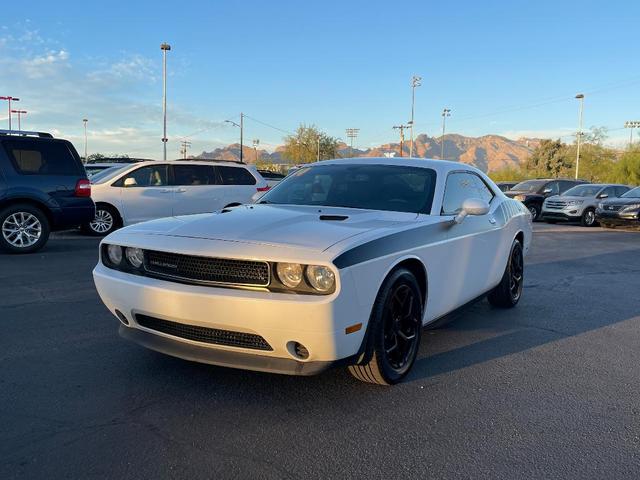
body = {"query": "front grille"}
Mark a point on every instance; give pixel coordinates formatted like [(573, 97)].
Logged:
[(203, 334), (556, 205), (613, 208), (196, 269)]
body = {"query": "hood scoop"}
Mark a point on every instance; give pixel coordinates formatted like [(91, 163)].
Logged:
[(334, 218)]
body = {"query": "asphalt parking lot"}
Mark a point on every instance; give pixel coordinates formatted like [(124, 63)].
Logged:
[(550, 389)]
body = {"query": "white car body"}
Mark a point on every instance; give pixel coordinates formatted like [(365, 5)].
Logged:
[(141, 203), (460, 262)]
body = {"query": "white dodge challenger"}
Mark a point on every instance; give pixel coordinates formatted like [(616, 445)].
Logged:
[(342, 263)]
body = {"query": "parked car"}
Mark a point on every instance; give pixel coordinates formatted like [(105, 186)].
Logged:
[(43, 187), (578, 204), (93, 168), (623, 211), (148, 190), (533, 192), (272, 178), (342, 264), (506, 186)]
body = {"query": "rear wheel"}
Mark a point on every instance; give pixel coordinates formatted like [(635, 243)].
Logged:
[(508, 292), (394, 331), (25, 228), (534, 210), (588, 218), (105, 221)]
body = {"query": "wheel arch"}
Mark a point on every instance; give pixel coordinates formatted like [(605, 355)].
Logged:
[(114, 208), (30, 201)]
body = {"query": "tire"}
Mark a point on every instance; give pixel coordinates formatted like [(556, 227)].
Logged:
[(588, 218), (534, 210), (24, 228), (508, 292), (106, 220), (394, 332)]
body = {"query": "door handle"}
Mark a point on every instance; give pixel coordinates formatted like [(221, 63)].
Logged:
[(181, 190)]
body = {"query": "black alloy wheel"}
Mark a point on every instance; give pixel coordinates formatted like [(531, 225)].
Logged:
[(508, 292)]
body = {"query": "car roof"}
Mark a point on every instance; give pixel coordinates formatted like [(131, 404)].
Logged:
[(438, 165)]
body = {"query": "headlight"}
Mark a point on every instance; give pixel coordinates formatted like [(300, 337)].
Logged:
[(321, 278), (521, 198), (290, 274), (633, 206), (135, 256), (601, 206), (114, 253)]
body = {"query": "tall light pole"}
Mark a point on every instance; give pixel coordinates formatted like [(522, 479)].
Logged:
[(415, 82), (85, 120), (165, 47), (401, 128), (10, 99), (19, 112), (352, 133), (446, 112), (580, 97), (241, 127), (318, 142), (631, 125), (256, 142)]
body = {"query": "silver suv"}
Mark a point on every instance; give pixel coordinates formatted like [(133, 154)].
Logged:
[(578, 204)]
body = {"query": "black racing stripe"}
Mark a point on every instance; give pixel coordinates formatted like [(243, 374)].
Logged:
[(395, 242)]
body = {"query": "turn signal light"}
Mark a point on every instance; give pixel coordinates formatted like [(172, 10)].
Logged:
[(83, 188)]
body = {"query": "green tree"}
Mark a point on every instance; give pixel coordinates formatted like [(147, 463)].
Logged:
[(302, 147), (627, 169), (549, 159)]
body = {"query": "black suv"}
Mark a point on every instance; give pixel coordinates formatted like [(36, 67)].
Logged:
[(533, 192), (43, 187)]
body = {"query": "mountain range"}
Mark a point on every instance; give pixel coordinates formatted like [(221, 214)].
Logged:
[(488, 153)]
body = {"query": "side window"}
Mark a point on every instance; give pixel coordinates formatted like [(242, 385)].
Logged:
[(236, 176), (461, 186), (151, 176), (193, 175), (555, 188), (42, 157), (609, 191), (621, 191)]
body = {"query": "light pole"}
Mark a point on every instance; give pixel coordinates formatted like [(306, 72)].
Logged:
[(256, 142), (19, 112), (241, 127), (401, 128), (631, 125), (10, 99), (165, 47), (446, 112), (415, 82), (85, 120), (580, 97), (318, 141)]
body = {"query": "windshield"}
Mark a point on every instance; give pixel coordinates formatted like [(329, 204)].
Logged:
[(106, 174), (583, 191), (530, 186), (635, 193), (374, 187)]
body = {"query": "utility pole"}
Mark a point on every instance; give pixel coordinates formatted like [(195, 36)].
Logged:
[(84, 121), (19, 112), (165, 47), (631, 125), (184, 146), (401, 128), (352, 133), (10, 99), (241, 127), (415, 82), (580, 97), (256, 142), (318, 140), (446, 112)]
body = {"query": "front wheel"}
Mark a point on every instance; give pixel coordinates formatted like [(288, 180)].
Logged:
[(25, 229), (534, 210), (394, 331), (588, 218), (508, 292)]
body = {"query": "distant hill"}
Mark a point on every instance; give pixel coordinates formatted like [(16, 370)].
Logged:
[(488, 153)]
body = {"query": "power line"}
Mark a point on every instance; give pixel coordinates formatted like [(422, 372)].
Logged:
[(269, 125)]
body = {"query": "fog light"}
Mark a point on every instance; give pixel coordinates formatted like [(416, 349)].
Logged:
[(122, 318)]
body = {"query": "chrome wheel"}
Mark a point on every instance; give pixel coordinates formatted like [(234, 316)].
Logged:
[(401, 324), (534, 212), (102, 222), (589, 218), (516, 273), (21, 229)]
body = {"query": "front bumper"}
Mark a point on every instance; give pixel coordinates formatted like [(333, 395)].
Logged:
[(617, 218), (317, 322), (560, 215)]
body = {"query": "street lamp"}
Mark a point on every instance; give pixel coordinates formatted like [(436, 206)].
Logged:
[(165, 47), (580, 97), (415, 82), (241, 127), (19, 112), (446, 112), (84, 121), (631, 125), (10, 99)]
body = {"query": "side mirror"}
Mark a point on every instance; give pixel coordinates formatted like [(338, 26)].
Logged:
[(603, 195), (130, 182), (546, 190), (471, 206)]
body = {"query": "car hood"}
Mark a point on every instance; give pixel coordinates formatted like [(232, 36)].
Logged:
[(513, 193), (316, 228), (620, 201), (569, 198)]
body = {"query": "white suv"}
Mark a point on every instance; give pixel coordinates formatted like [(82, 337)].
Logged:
[(148, 190)]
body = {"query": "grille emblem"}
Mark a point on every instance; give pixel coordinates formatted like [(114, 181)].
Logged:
[(158, 263)]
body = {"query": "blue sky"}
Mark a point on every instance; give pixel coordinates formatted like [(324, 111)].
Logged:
[(504, 67)]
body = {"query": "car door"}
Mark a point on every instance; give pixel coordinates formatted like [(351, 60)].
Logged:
[(474, 244), (196, 189), (239, 185), (145, 194)]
